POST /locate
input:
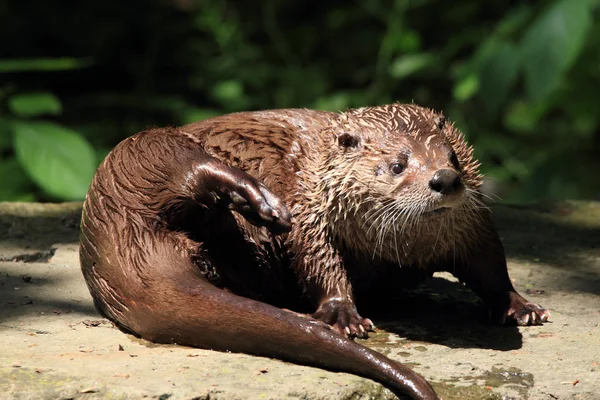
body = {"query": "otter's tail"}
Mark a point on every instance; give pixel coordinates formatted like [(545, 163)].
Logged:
[(186, 309)]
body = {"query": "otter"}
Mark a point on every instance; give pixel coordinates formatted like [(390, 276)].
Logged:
[(194, 235)]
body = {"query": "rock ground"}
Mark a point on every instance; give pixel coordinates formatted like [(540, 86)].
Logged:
[(53, 344)]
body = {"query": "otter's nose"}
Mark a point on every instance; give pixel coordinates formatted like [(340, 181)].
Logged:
[(445, 181)]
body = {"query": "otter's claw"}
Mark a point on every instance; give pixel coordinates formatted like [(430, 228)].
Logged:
[(529, 314), (523, 312), (344, 319)]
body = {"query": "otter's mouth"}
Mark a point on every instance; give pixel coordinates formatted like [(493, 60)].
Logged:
[(435, 213)]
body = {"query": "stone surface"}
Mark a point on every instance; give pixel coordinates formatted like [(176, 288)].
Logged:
[(53, 344)]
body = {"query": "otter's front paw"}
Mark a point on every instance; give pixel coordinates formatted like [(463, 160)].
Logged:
[(344, 318), (523, 312), (528, 314)]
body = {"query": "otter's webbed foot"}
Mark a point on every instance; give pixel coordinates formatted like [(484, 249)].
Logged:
[(242, 193), (521, 312), (344, 318)]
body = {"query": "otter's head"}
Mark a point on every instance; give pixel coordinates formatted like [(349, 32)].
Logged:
[(410, 179)]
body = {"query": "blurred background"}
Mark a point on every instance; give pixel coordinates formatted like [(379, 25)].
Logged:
[(520, 78)]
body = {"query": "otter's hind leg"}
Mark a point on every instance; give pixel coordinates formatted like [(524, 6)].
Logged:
[(214, 183)]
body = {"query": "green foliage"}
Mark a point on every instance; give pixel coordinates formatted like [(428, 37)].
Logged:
[(15, 183), (58, 159), (498, 69), (526, 70), (42, 64), (521, 79), (34, 104), (552, 44), (410, 64)]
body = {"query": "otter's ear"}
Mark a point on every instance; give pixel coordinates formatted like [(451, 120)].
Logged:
[(440, 122), (348, 140)]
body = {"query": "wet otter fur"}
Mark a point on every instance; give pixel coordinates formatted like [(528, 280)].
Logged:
[(321, 200)]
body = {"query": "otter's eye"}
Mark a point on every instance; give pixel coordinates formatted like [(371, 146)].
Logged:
[(454, 161), (397, 168)]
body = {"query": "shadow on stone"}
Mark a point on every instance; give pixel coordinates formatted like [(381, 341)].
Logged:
[(30, 294), (38, 225), (564, 235), (441, 312)]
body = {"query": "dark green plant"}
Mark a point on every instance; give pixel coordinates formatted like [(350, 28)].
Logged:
[(55, 158), (520, 78)]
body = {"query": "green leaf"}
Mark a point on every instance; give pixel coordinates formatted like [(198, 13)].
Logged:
[(34, 104), (5, 135), (334, 102), (58, 159), (44, 64), (466, 88), (514, 20), (192, 114), (552, 44), (230, 95), (16, 186), (498, 68), (403, 41), (228, 91), (521, 117), (409, 64)]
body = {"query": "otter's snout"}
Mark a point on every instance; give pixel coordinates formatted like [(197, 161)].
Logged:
[(445, 181)]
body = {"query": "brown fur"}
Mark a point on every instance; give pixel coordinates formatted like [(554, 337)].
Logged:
[(154, 230)]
